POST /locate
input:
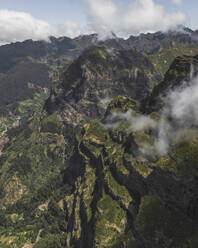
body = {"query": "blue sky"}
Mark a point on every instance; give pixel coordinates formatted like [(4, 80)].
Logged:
[(80, 16), (57, 11), (54, 11)]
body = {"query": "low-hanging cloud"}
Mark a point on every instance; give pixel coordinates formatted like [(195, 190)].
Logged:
[(19, 26), (139, 16), (181, 109), (178, 119)]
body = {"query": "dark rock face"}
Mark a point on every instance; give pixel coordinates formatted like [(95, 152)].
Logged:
[(14, 52), (151, 43), (99, 74), (179, 72), (23, 81)]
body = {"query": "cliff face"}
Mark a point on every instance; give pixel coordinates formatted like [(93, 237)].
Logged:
[(177, 73), (96, 77)]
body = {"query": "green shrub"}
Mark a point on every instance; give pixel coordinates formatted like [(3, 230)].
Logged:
[(50, 241), (52, 124)]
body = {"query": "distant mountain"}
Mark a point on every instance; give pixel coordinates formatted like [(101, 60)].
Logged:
[(60, 50), (160, 48)]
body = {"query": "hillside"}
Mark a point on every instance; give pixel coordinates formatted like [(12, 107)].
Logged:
[(105, 163), (45, 57)]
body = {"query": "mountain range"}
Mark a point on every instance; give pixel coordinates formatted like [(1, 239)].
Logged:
[(99, 142)]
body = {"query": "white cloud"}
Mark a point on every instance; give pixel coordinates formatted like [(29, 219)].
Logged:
[(70, 29), (105, 16), (180, 107), (102, 16), (146, 15), (19, 26)]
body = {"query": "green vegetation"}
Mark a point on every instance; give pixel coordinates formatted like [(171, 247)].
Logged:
[(70, 176), (52, 124), (122, 104), (164, 58), (110, 223), (183, 159), (156, 222)]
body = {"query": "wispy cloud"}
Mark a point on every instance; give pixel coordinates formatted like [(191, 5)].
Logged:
[(181, 108), (106, 16), (177, 119)]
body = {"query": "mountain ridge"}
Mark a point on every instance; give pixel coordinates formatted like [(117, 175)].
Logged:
[(91, 182)]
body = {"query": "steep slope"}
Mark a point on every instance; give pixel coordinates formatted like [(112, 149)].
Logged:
[(27, 68), (12, 53), (177, 73), (23, 81), (161, 49), (26, 74), (152, 42), (96, 77), (91, 183), (22, 88)]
